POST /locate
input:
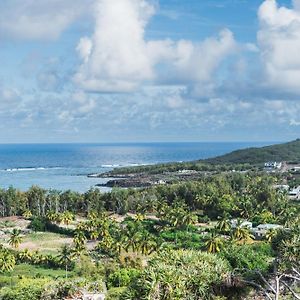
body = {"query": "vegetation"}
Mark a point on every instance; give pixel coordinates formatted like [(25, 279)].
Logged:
[(282, 152), (239, 160), (171, 241)]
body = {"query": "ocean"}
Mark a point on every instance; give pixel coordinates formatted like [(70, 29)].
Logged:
[(66, 166)]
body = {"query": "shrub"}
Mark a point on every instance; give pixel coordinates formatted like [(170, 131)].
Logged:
[(122, 277), (38, 224), (248, 257), (27, 289), (182, 274)]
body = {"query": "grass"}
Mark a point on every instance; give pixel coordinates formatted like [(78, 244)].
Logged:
[(7, 224), (44, 242), (30, 271)]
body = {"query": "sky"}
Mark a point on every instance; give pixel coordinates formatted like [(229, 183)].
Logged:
[(149, 70)]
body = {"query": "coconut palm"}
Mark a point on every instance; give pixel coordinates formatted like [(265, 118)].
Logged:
[(52, 216), (189, 218), (15, 238), (67, 217), (224, 225), (65, 257), (94, 234), (7, 261), (214, 243), (79, 239), (146, 243), (27, 214), (139, 217), (241, 233), (270, 234), (25, 255)]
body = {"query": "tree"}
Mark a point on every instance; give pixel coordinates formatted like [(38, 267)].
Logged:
[(67, 217), (79, 240), (25, 256), (224, 225), (7, 260), (65, 257), (271, 233), (27, 214), (15, 238), (214, 243), (241, 233)]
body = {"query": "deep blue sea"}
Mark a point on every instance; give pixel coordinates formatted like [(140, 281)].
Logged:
[(66, 166)]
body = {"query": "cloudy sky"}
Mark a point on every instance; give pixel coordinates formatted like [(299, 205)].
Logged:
[(149, 70)]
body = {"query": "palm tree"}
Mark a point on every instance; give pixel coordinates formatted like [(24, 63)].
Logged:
[(139, 217), (52, 216), (241, 233), (224, 225), (65, 257), (214, 243), (67, 217), (270, 234), (7, 261), (79, 239), (15, 238), (27, 214), (189, 218), (25, 255), (94, 234), (146, 243)]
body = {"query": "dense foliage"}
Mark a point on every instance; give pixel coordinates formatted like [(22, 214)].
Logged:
[(169, 241), (182, 274)]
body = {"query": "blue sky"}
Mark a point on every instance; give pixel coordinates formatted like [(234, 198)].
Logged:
[(149, 70)]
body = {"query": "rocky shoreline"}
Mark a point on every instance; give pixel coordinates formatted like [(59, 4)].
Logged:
[(143, 180)]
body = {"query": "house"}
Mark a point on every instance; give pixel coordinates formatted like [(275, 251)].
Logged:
[(281, 187), (262, 229), (294, 194), (241, 223), (273, 165)]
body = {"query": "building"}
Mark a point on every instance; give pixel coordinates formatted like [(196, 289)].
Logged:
[(270, 165), (261, 230), (281, 187), (294, 194), (240, 223)]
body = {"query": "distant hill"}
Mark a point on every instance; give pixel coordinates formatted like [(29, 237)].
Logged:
[(280, 152), (241, 159)]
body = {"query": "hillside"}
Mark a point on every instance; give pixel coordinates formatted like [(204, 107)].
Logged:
[(280, 152)]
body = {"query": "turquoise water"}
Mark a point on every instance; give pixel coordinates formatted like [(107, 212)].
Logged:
[(66, 166)]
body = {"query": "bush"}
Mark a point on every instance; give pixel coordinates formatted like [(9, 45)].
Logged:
[(38, 224), (27, 289), (248, 257), (182, 274), (122, 277), (115, 293)]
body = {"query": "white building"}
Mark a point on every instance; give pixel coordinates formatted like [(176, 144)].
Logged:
[(241, 223), (281, 187), (273, 165), (294, 194), (262, 229)]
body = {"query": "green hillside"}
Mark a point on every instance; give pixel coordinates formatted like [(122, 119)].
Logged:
[(281, 152)]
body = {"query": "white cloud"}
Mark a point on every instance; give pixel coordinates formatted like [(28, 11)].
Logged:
[(115, 58), (39, 20), (279, 43), (118, 58)]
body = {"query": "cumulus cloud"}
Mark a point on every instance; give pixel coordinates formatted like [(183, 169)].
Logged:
[(279, 44), (115, 58), (118, 58), (39, 20)]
